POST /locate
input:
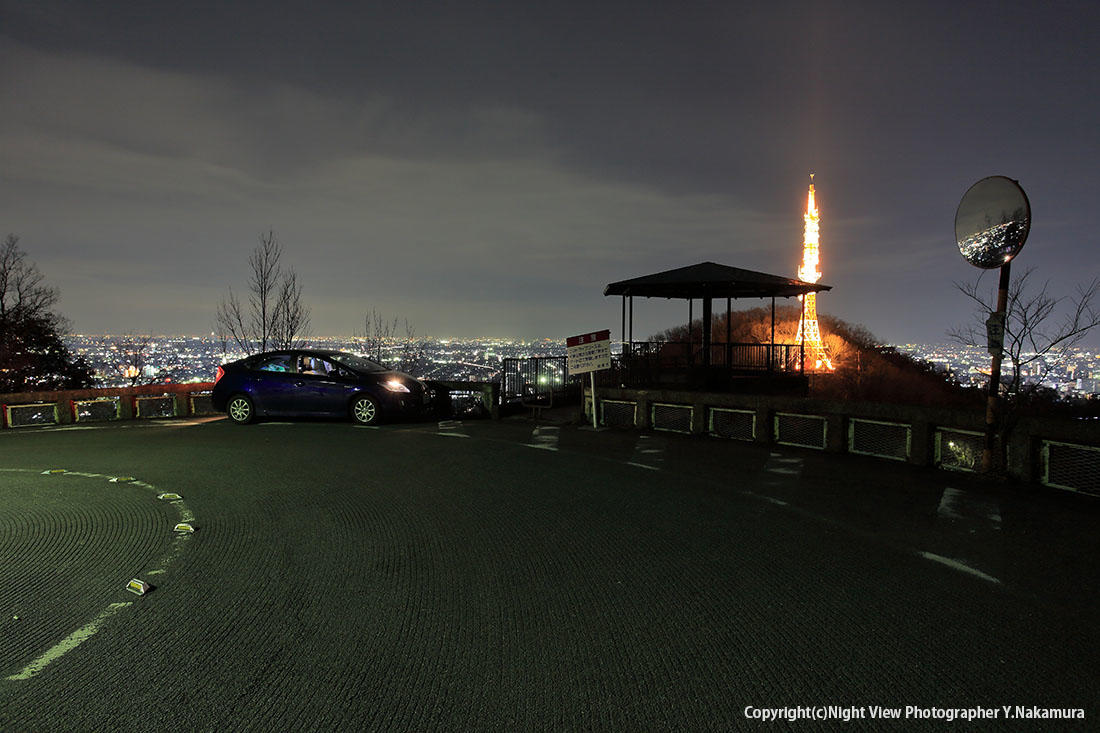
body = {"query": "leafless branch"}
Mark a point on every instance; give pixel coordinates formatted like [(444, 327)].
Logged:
[(276, 316), (1032, 340)]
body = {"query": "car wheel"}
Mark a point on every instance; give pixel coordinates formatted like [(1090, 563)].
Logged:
[(364, 410), (240, 409)]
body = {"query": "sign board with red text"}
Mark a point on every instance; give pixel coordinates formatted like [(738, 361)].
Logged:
[(589, 352)]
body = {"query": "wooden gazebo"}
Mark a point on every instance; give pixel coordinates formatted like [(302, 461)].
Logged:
[(705, 282)]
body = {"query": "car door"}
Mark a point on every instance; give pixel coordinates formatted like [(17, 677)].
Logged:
[(326, 386), (275, 383)]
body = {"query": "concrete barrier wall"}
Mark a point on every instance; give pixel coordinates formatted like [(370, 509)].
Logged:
[(35, 408), (923, 423)]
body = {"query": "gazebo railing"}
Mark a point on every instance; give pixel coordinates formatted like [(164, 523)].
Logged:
[(755, 357)]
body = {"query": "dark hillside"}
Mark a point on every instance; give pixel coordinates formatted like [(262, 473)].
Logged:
[(865, 369)]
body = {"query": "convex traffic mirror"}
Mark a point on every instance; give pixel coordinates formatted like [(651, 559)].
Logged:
[(992, 222)]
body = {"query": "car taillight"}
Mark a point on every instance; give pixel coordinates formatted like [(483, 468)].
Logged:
[(219, 375)]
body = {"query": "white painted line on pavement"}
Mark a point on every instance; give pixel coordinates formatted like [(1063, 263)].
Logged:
[(76, 638), (963, 567), (643, 465), (70, 642)]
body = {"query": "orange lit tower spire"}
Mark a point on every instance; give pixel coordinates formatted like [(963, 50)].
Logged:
[(816, 358)]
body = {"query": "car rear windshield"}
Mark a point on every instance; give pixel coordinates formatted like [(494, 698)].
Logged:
[(358, 363)]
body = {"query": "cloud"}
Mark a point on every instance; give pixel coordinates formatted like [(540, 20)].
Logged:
[(168, 178)]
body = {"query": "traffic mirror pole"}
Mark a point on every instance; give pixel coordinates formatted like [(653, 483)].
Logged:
[(992, 409)]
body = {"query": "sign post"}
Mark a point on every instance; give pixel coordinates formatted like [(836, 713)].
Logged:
[(589, 352)]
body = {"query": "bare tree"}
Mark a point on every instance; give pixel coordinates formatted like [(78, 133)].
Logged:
[(275, 316), (1035, 341), (23, 292), (383, 338), (291, 316)]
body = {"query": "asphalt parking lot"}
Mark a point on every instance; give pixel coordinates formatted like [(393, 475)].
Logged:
[(513, 575)]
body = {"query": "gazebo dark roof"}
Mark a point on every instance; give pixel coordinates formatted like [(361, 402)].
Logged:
[(711, 280)]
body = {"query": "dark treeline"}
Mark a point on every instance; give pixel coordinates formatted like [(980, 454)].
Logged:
[(32, 355)]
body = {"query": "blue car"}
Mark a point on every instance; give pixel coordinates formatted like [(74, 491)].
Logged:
[(316, 383)]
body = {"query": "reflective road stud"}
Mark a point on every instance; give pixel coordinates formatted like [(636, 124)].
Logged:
[(185, 528), (121, 479), (53, 470), (138, 586), (169, 497)]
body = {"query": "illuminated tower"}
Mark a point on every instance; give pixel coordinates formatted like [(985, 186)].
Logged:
[(816, 358)]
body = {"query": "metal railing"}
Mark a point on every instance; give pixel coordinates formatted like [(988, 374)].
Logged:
[(537, 378), (646, 364), (751, 357)]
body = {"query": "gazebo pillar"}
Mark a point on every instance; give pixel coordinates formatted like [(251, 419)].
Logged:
[(706, 331), (729, 347), (631, 341), (771, 344), (622, 331), (691, 331)]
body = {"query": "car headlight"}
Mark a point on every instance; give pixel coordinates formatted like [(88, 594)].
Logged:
[(395, 385)]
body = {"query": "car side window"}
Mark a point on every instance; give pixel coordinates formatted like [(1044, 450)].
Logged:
[(276, 363), (315, 365)]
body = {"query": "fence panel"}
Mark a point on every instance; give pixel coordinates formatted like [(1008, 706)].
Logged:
[(158, 406), (1071, 466), (673, 418), (618, 413), (880, 439), (804, 431), (734, 424), (21, 416), (536, 377), (201, 403), (959, 450), (105, 408)]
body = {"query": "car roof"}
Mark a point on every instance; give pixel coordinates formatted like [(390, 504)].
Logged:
[(307, 352)]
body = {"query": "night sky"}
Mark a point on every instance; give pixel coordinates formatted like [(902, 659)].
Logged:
[(485, 169)]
